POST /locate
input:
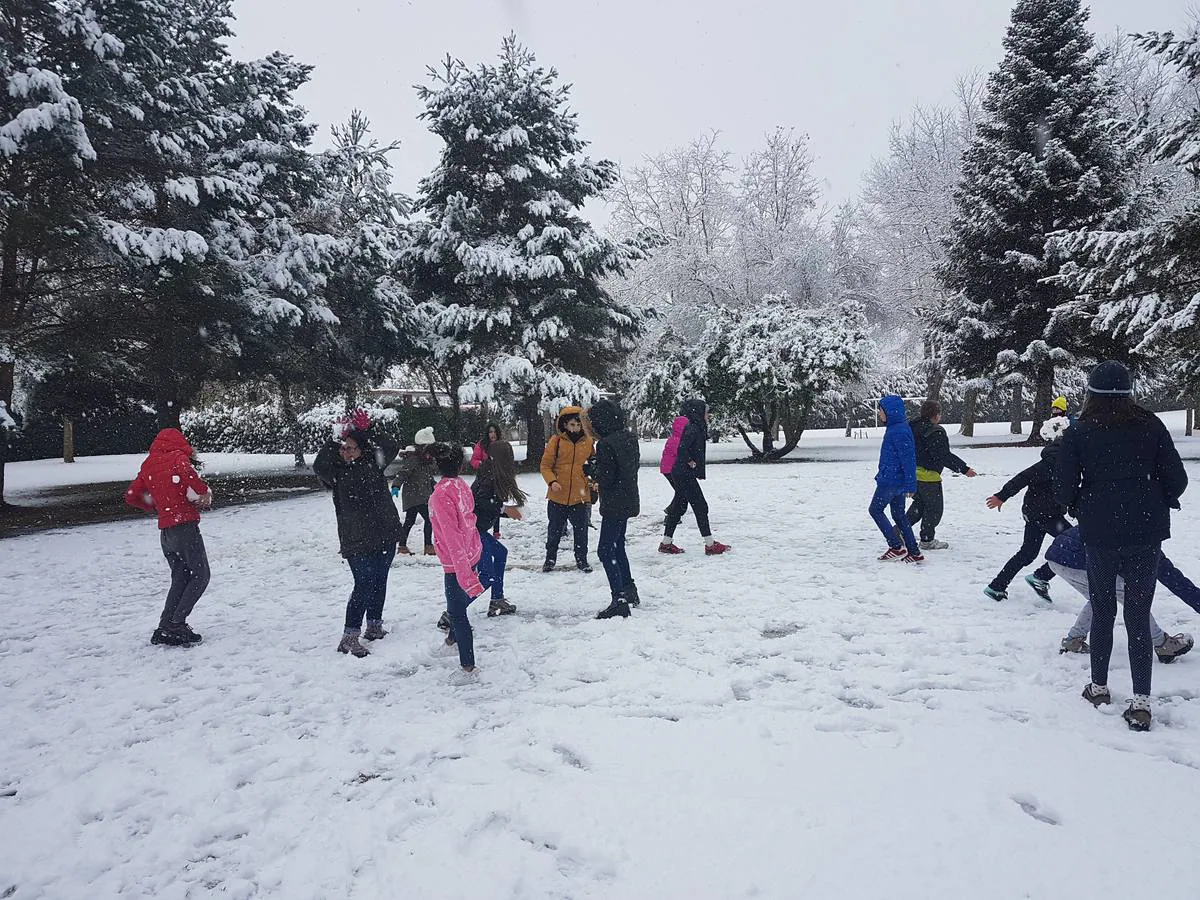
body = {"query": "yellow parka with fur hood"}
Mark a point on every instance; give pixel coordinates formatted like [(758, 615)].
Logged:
[(563, 462)]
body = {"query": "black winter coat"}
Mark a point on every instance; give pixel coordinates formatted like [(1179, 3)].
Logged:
[(616, 464), (693, 443), (1041, 498), (1123, 480), (367, 518), (933, 448)]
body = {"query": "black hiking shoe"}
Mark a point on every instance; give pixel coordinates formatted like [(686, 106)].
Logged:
[(1097, 695), (1137, 715), (500, 607), (548, 566), (618, 607), (444, 622), (169, 638), (583, 566), (631, 595), (186, 630)]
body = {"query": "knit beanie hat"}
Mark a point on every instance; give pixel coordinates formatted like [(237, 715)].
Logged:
[(424, 436), (1110, 378)]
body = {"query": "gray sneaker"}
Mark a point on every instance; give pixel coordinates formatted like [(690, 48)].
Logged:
[(1137, 716), (934, 545), (1074, 645), (1175, 646)]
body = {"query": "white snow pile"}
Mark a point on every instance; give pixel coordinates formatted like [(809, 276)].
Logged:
[(791, 720)]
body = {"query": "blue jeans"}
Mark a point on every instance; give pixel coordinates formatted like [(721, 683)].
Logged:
[(1138, 566), (611, 550), (892, 497), (457, 602), (370, 587), (491, 564)]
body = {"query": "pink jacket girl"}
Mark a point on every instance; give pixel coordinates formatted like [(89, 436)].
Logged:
[(671, 450), (455, 538)]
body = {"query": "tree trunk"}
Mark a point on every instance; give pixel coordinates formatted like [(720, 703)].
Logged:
[(1195, 421), (970, 400), (794, 422), (288, 410), (1015, 413), (454, 376), (767, 412), (935, 374), (7, 383), (433, 397), (755, 452), (68, 439), (535, 440), (1190, 420), (1043, 396)]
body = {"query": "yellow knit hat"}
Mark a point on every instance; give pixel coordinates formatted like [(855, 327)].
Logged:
[(1059, 403)]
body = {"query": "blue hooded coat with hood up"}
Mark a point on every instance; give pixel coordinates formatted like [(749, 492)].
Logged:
[(898, 455)]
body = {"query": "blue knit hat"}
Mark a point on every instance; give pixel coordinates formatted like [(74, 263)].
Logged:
[(1110, 378)]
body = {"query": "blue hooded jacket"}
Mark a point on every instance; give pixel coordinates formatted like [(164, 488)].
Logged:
[(898, 455), (1068, 551)]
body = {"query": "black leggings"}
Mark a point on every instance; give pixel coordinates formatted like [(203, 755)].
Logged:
[(410, 519), (1138, 566), (1031, 547), (687, 493)]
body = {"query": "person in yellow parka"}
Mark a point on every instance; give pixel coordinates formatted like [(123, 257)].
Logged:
[(569, 494)]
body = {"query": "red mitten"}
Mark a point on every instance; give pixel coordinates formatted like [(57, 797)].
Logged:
[(360, 420)]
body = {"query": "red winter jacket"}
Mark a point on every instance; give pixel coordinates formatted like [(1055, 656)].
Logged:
[(166, 479)]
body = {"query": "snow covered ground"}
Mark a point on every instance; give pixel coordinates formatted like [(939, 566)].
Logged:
[(791, 720)]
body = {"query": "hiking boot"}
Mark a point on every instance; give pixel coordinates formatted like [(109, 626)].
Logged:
[(1137, 714), (893, 554), (374, 632), (618, 607), (1173, 647), (670, 547), (583, 566), (444, 622), (631, 595), (934, 545), (500, 607), (993, 594), (548, 566), (430, 550), (351, 645), (1097, 694), (402, 550), (716, 548), (1074, 645), (1040, 587), (169, 638), (914, 558)]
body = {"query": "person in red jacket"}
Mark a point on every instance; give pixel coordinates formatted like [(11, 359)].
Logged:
[(169, 485)]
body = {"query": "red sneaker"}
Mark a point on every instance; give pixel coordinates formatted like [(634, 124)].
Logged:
[(716, 547), (669, 548), (893, 554), (914, 558)]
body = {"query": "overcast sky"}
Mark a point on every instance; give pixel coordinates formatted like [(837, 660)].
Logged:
[(652, 74)]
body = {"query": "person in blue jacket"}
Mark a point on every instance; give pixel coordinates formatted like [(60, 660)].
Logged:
[(895, 481), (1068, 559)]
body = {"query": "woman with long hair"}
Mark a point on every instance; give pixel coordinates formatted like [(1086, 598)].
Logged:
[(1120, 474)]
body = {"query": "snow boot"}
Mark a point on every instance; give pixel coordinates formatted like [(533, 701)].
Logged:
[(716, 548), (1040, 587), (169, 638), (994, 594), (402, 550), (582, 565), (1074, 645), (1137, 715), (548, 565), (893, 554), (1175, 646), (1097, 694), (374, 632), (631, 595), (193, 638), (430, 550), (618, 607), (351, 645), (500, 607), (932, 544), (669, 547), (444, 622)]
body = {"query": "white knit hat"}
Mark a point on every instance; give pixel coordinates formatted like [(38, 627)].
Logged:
[(424, 436)]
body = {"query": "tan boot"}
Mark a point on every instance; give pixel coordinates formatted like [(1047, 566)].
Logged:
[(430, 550), (351, 645), (403, 550)]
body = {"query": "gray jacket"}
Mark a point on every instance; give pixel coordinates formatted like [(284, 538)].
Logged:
[(415, 473)]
